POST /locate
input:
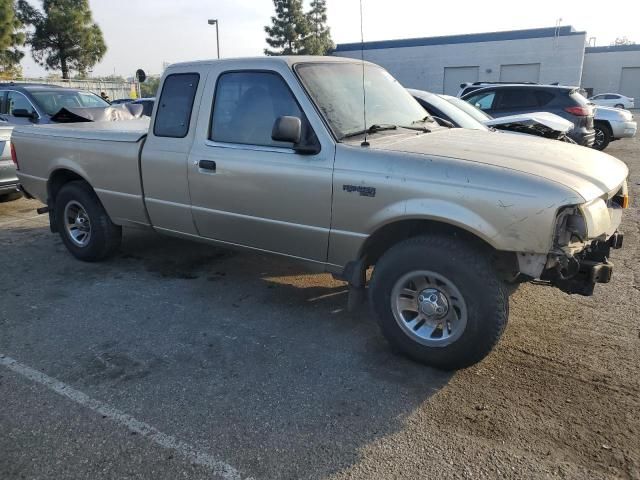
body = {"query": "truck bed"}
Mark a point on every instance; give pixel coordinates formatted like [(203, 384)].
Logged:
[(105, 154), (125, 131)]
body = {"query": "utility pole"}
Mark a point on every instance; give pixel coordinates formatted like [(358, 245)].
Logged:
[(215, 22)]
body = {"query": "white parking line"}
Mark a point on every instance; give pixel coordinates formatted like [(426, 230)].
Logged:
[(225, 471)]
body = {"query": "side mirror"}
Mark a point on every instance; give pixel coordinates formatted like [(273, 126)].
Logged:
[(24, 113), (287, 129)]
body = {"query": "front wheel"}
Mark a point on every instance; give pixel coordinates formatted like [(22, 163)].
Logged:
[(83, 224), (439, 300)]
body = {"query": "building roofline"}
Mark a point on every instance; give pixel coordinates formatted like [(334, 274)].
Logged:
[(563, 31), (614, 48)]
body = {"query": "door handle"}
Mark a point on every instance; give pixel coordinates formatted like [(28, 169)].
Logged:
[(207, 165)]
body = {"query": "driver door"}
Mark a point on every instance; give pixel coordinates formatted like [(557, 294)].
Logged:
[(247, 189)]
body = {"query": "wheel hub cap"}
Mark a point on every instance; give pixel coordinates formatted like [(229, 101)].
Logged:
[(433, 303), (429, 308), (77, 224)]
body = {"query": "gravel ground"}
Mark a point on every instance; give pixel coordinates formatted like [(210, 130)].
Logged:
[(252, 362)]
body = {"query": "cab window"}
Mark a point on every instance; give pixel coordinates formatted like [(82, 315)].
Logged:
[(17, 101), (176, 102), (246, 106)]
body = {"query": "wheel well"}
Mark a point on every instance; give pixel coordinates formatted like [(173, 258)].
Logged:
[(604, 123), (57, 180), (389, 235)]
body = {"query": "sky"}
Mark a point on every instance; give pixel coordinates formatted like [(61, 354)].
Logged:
[(146, 33)]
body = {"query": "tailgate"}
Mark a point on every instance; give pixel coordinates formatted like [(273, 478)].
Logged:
[(7, 168)]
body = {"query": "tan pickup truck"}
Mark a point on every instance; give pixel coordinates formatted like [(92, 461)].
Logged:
[(272, 154)]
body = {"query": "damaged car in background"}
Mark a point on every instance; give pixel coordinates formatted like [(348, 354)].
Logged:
[(273, 154), (502, 100), (458, 113)]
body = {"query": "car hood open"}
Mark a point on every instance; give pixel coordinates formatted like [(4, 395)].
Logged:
[(588, 172), (545, 119)]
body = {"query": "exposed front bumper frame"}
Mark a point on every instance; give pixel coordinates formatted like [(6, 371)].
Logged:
[(592, 266)]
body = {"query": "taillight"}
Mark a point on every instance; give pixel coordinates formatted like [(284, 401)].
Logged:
[(14, 157), (579, 111)]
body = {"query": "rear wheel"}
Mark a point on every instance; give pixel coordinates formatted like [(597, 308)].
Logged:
[(439, 300), (619, 105), (83, 224), (603, 136)]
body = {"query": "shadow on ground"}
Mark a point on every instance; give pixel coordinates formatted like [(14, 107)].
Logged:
[(247, 356)]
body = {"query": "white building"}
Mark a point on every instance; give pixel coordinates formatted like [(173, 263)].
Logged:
[(441, 64), (613, 69), (544, 55)]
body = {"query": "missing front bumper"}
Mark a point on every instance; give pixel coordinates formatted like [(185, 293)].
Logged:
[(592, 267)]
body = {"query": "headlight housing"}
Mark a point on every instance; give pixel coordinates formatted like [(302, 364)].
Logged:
[(571, 227)]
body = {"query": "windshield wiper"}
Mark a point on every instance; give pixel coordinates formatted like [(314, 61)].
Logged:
[(418, 129), (375, 128)]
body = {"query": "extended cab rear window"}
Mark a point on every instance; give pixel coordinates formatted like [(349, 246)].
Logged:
[(175, 105)]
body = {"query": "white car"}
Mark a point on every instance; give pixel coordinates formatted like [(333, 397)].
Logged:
[(612, 100), (612, 124)]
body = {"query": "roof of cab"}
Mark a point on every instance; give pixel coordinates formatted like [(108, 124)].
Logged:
[(273, 60)]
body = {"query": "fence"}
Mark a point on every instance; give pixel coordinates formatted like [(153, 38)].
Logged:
[(113, 89)]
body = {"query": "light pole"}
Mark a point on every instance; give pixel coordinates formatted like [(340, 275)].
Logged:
[(215, 22)]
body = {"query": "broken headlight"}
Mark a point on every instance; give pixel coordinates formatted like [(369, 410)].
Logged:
[(571, 227)]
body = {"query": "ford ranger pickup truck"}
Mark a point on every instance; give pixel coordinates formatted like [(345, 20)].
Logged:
[(275, 154)]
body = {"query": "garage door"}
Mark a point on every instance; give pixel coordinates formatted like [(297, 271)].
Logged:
[(454, 76), (523, 72), (630, 83)]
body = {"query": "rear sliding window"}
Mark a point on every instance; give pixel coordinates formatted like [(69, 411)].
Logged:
[(175, 105)]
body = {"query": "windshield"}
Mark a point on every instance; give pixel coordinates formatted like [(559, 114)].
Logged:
[(475, 112), (336, 88), (51, 101)]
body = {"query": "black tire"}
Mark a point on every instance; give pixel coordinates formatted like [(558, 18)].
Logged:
[(603, 136), (466, 265), (619, 105), (105, 237)]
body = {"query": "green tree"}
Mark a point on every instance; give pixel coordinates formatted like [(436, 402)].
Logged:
[(65, 37), (149, 88), (11, 37), (319, 41), (288, 30)]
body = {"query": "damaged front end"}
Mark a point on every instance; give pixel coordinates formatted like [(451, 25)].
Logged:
[(540, 124), (538, 130), (583, 240)]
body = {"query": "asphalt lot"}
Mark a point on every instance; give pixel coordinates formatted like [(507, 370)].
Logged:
[(177, 360)]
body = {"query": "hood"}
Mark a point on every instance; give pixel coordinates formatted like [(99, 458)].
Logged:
[(546, 119), (586, 171)]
